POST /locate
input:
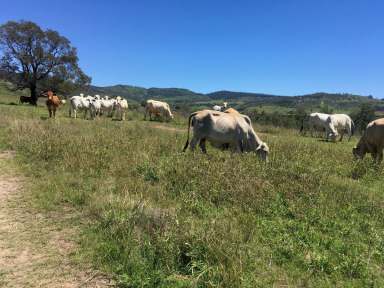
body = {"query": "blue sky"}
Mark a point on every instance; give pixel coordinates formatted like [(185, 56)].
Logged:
[(286, 47)]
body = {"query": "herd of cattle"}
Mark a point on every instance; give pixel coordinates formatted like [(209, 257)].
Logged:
[(227, 128), (97, 106)]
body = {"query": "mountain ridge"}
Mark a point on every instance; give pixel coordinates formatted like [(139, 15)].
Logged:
[(170, 92)]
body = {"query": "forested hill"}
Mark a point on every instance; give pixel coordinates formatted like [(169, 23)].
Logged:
[(240, 100), (177, 95), (139, 94)]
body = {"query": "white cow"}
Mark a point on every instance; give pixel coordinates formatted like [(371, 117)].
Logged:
[(107, 105), (94, 107), (159, 109), (316, 122), (220, 108), (121, 106), (339, 124), (79, 103), (233, 130)]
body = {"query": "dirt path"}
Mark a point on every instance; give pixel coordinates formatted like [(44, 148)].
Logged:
[(35, 248), (167, 128)]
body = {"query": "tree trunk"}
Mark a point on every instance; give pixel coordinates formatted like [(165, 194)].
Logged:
[(34, 96)]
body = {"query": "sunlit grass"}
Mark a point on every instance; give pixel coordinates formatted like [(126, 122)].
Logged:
[(312, 216)]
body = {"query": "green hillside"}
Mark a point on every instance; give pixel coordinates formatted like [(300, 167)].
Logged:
[(139, 94), (188, 100), (241, 100)]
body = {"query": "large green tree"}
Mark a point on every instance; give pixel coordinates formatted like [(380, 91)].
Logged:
[(36, 59)]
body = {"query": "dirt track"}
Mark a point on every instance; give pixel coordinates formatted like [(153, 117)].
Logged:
[(34, 247)]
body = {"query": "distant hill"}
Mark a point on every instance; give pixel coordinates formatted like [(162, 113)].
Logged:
[(139, 94), (240, 100)]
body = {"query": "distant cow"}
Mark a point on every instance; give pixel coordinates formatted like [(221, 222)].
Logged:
[(121, 106), (372, 141), (339, 124), (220, 108), (218, 128), (53, 102), (25, 99), (107, 106), (79, 103), (316, 122), (159, 109), (94, 106)]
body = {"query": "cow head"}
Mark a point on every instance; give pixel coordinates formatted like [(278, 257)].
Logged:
[(262, 151), (333, 135), (359, 151)]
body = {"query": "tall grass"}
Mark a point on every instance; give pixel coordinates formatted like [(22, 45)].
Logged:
[(160, 218)]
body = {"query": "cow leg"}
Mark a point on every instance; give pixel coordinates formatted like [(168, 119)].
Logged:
[(50, 113), (193, 143), (349, 133), (123, 116), (239, 147), (54, 112), (202, 146), (341, 136), (379, 157)]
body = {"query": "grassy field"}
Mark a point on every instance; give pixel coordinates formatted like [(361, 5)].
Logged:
[(311, 217)]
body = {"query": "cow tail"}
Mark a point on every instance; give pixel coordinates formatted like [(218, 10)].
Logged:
[(189, 125), (353, 127), (302, 125), (305, 118)]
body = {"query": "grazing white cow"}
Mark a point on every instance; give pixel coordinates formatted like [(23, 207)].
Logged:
[(121, 106), (220, 108), (316, 122), (372, 141), (233, 130), (339, 124), (159, 109)]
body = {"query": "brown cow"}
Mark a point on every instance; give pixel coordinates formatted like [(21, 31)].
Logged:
[(53, 103), (372, 141)]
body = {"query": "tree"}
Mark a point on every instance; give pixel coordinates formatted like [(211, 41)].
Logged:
[(34, 59), (324, 108), (364, 115)]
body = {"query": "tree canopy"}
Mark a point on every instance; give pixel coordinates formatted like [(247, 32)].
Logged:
[(37, 60)]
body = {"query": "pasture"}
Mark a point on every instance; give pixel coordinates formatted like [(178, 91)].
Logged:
[(310, 217)]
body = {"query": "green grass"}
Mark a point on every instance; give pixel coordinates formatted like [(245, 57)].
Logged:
[(311, 217)]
